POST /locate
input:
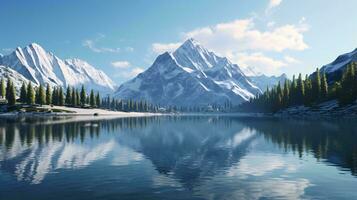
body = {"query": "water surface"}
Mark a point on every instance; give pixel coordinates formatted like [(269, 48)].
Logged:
[(178, 158)]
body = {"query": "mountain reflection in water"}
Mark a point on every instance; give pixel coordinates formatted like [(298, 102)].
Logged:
[(195, 154)]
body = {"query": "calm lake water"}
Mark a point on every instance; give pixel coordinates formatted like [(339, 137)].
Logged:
[(178, 158)]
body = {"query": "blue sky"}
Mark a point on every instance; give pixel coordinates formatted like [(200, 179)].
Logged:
[(123, 37)]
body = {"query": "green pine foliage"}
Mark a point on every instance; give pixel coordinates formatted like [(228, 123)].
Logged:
[(97, 100), (10, 92), (40, 96), (48, 95), (68, 99), (347, 94), (23, 93), (312, 90), (2, 88), (83, 96), (92, 99), (8, 88), (30, 94), (55, 96), (60, 97), (74, 97)]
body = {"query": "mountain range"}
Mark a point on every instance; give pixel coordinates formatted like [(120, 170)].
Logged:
[(33, 63), (191, 75)]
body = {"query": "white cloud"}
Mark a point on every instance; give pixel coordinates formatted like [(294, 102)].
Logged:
[(241, 35), (92, 46), (273, 3), (159, 48), (259, 61), (120, 64), (270, 24), (291, 60), (244, 43), (7, 50), (131, 73), (129, 49)]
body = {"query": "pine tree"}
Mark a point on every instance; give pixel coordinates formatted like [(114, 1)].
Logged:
[(68, 100), (78, 97), (308, 91), (2, 88), (293, 91), (346, 94), (12, 95), (55, 96), (324, 87), (8, 88), (97, 100), (60, 97), (300, 91), (40, 95), (83, 96), (48, 95), (316, 86), (30, 94), (286, 94), (23, 93), (92, 99), (74, 97)]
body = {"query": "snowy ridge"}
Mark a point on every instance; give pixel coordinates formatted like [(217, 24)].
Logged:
[(191, 75), (41, 67), (17, 78), (264, 82), (340, 62)]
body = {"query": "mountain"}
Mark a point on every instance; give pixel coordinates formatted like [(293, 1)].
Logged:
[(191, 75), (335, 69), (42, 67), (264, 81), (17, 78)]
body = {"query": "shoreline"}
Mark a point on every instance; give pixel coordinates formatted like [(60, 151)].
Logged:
[(76, 112)]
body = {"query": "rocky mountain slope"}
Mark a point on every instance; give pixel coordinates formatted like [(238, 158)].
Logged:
[(41, 67), (191, 75)]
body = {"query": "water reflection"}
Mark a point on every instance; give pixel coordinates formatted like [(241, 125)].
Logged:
[(211, 157), (334, 141)]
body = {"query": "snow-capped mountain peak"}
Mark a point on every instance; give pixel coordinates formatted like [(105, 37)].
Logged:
[(41, 67), (191, 75)]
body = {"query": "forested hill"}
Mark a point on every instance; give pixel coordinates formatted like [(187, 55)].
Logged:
[(307, 91)]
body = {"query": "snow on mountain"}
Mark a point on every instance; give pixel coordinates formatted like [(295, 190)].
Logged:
[(264, 82), (334, 70), (191, 75), (42, 67), (18, 79)]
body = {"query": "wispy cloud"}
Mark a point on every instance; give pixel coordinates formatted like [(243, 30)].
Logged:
[(130, 73), (7, 50), (162, 47), (291, 60), (120, 64), (129, 49), (272, 4), (92, 44), (259, 61)]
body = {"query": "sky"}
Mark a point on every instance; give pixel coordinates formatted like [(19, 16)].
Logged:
[(123, 38)]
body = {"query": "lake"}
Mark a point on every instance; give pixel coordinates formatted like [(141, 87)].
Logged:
[(191, 157)]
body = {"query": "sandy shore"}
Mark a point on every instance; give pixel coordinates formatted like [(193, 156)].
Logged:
[(81, 112)]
